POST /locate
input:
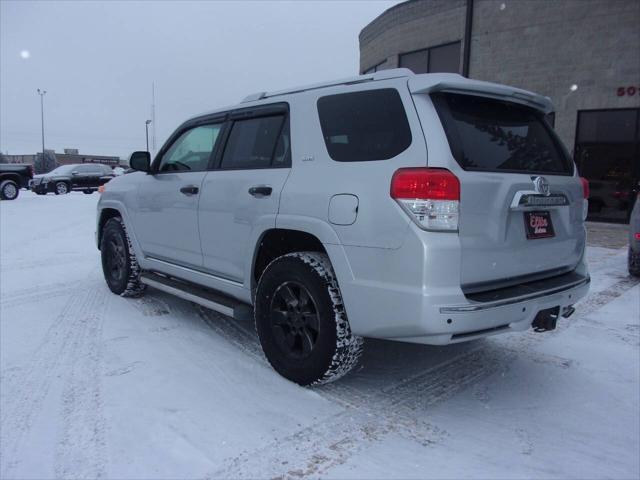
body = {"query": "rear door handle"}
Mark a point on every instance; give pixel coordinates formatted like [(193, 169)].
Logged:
[(260, 191), (189, 190)]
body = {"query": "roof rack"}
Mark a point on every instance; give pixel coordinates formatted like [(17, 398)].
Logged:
[(381, 75)]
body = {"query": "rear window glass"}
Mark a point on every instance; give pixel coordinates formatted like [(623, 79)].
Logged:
[(493, 135), (362, 126)]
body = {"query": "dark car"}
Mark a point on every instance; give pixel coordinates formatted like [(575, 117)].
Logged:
[(85, 177), (13, 177), (634, 239)]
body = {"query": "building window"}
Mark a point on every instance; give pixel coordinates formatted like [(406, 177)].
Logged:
[(439, 59), (607, 153), (374, 69)]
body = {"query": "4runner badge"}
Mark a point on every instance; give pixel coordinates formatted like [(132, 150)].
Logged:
[(541, 185)]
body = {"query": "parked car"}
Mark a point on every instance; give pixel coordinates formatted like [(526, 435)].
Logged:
[(85, 177), (13, 177), (429, 208), (634, 239)]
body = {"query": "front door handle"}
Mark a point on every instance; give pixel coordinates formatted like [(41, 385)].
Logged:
[(260, 191), (189, 190)]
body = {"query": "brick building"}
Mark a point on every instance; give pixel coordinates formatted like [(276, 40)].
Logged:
[(70, 156), (584, 54)]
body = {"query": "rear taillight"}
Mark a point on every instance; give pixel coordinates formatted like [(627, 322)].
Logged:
[(585, 197), (637, 236), (431, 196), (585, 187)]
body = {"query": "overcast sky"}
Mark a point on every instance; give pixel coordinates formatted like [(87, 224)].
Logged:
[(97, 61)]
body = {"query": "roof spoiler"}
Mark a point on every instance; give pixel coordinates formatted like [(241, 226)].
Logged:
[(425, 84)]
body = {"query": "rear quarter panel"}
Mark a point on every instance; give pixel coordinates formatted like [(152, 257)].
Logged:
[(315, 177)]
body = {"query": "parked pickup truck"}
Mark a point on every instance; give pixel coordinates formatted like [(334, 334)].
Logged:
[(13, 177)]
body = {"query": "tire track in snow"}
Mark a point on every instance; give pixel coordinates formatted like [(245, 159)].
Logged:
[(69, 351), (396, 409), (81, 448), (232, 331), (36, 294), (315, 449), (44, 235), (61, 260)]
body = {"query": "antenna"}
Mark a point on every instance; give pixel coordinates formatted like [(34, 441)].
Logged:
[(153, 116)]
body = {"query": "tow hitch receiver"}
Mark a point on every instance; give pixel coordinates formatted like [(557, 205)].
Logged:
[(546, 320)]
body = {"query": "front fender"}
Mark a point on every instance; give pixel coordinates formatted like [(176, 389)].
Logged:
[(119, 206)]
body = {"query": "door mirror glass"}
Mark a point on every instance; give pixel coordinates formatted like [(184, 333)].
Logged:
[(140, 161)]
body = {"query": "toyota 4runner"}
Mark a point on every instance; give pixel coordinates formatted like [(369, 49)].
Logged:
[(420, 208)]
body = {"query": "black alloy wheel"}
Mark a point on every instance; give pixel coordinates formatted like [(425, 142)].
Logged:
[(115, 259), (295, 321)]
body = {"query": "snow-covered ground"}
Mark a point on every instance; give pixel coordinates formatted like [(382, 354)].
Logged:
[(94, 385)]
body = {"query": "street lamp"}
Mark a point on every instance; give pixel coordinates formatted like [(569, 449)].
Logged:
[(146, 128), (42, 93)]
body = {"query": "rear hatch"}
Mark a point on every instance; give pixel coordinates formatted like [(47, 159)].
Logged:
[(521, 204)]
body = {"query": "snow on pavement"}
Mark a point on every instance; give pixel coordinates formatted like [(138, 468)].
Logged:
[(95, 385)]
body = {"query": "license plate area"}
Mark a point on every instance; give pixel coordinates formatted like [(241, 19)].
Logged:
[(538, 224)]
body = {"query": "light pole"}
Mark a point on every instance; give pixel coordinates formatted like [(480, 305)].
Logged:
[(146, 128), (42, 93)]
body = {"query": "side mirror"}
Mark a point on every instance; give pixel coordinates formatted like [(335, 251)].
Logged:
[(75, 173), (140, 161)]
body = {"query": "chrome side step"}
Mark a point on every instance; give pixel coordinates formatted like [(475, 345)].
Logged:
[(187, 291)]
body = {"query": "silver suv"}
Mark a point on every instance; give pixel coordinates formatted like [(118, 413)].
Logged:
[(420, 208)]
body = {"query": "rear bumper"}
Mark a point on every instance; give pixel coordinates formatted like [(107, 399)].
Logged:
[(475, 320), (413, 294), (40, 187)]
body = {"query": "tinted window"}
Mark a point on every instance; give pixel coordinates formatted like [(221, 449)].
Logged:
[(445, 58), (95, 169), (375, 68), (607, 125), (63, 170), (282, 155), (191, 151), (417, 62), (252, 143), (440, 59), (361, 126), (492, 135)]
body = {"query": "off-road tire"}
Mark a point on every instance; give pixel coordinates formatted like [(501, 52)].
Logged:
[(58, 190), (634, 263), (9, 190), (127, 282), (336, 349)]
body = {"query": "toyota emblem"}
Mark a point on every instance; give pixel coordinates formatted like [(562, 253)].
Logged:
[(541, 185)]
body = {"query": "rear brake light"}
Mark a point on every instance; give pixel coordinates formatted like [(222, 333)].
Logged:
[(431, 196), (585, 187), (637, 235)]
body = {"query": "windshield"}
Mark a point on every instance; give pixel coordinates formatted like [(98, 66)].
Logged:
[(62, 170), (494, 135)]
